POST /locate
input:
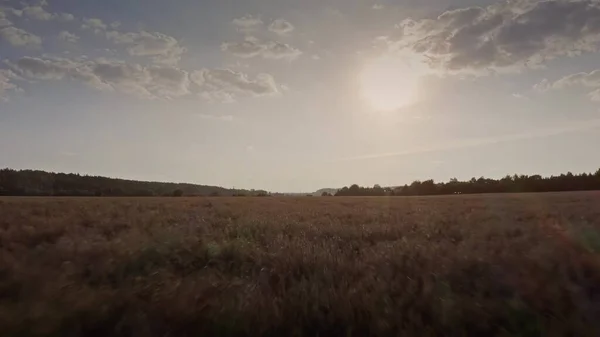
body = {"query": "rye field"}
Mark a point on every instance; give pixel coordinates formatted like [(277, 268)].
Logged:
[(478, 265)]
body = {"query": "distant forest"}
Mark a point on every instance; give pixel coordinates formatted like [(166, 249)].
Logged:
[(508, 184), (40, 183)]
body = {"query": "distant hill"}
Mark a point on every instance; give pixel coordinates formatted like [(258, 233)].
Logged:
[(41, 183), (331, 191)]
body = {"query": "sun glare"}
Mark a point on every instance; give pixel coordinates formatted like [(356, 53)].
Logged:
[(390, 82)]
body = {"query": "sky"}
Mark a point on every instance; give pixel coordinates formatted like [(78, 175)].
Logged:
[(293, 96)]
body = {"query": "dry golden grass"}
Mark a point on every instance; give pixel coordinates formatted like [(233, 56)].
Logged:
[(507, 265)]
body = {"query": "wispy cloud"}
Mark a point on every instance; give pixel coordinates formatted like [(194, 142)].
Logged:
[(253, 47), (468, 143), (68, 37), (93, 23), (20, 38), (518, 96), (281, 27), (247, 23), (6, 84), (162, 48), (583, 79), (156, 81)]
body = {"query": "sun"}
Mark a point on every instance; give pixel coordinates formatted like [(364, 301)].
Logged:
[(390, 82)]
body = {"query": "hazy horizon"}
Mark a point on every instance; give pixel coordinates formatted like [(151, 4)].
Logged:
[(291, 96)]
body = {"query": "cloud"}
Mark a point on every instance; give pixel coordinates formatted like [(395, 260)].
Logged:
[(248, 48), (582, 79), (123, 77), (506, 36), (43, 69), (247, 23), (226, 84), (68, 37), (121, 38), (20, 38), (591, 79), (544, 85), (252, 47), (163, 82), (4, 21), (66, 17), (162, 48), (277, 50), (14, 11), (377, 6), (94, 24), (39, 13), (595, 95), (169, 81), (281, 27), (151, 82), (5, 83), (111, 76)]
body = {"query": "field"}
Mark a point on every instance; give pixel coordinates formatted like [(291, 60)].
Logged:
[(487, 265)]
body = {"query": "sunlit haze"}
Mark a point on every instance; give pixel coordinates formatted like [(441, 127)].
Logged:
[(390, 82), (293, 96)]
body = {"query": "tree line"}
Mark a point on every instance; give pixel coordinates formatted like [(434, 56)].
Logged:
[(41, 183), (508, 184)]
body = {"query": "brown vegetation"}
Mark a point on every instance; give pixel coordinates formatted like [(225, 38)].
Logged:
[(523, 265)]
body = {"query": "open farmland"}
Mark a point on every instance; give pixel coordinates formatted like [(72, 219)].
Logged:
[(524, 265)]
